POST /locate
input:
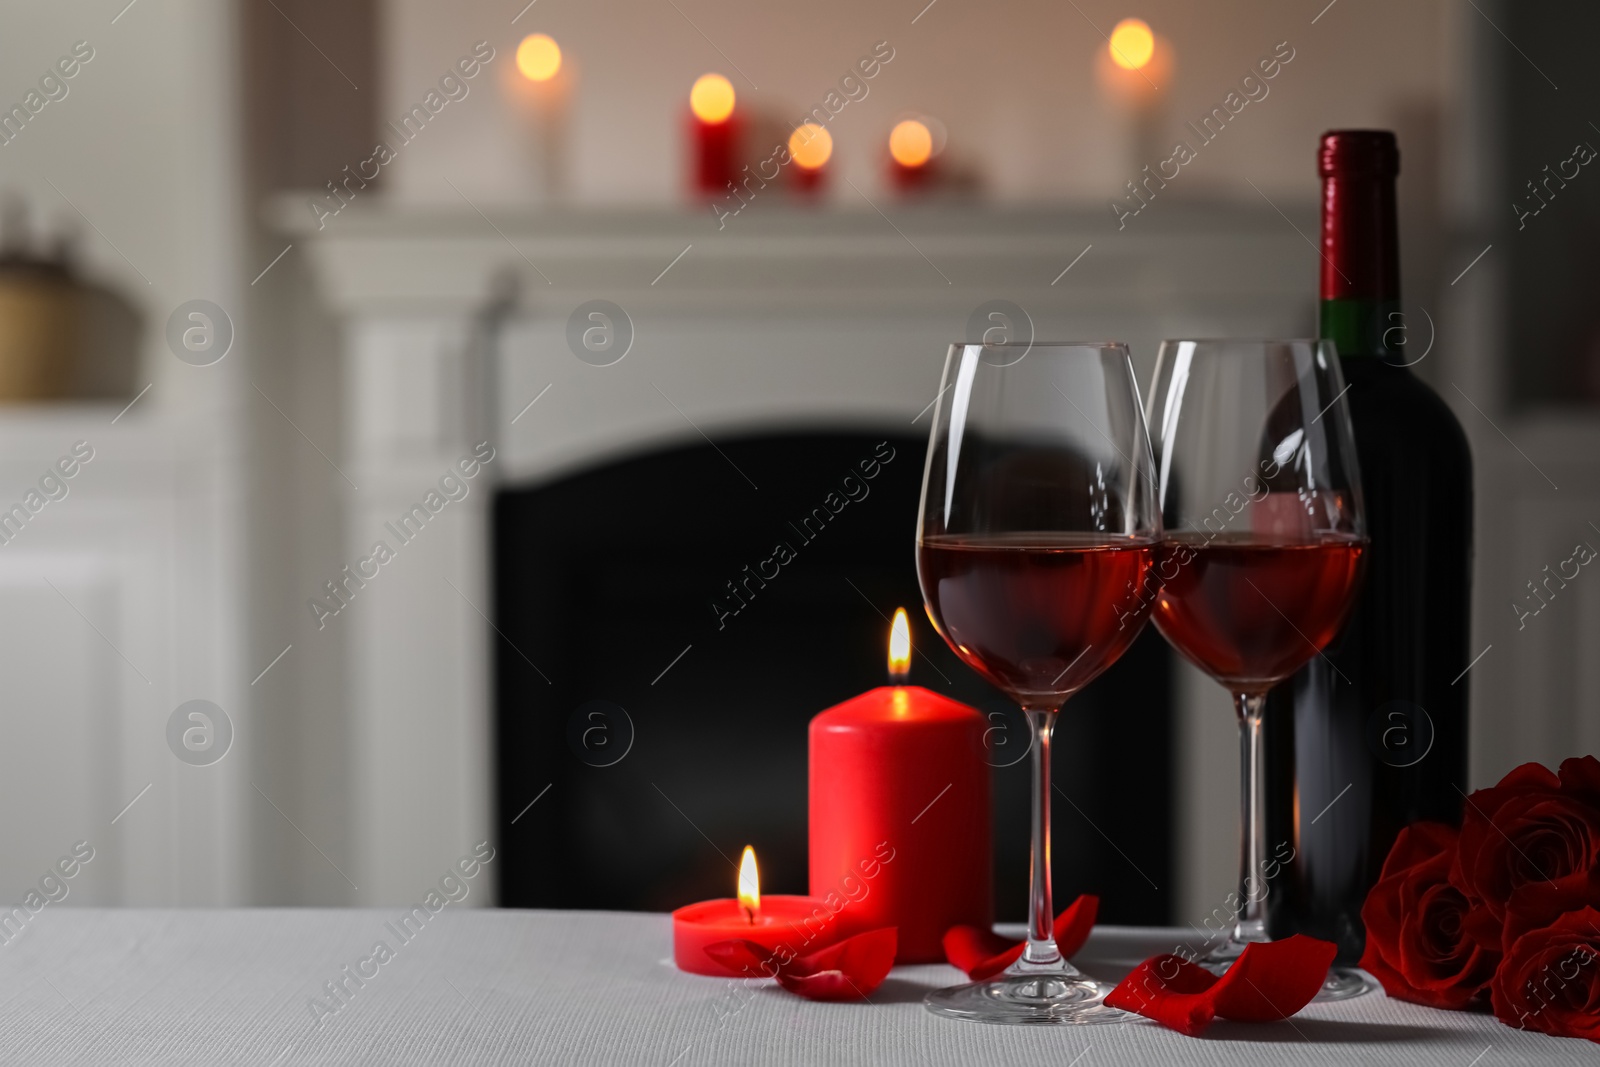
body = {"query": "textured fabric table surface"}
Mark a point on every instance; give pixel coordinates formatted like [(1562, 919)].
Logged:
[(221, 987)]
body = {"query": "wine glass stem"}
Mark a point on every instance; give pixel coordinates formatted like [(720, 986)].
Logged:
[(1041, 952), (1252, 922)]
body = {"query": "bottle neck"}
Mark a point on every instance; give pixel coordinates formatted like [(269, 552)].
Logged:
[(1360, 309), (1371, 329)]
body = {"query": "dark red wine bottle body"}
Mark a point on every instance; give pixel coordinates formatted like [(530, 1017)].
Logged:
[(1373, 735)]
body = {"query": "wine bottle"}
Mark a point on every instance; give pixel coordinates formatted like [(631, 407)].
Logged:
[(1372, 735)]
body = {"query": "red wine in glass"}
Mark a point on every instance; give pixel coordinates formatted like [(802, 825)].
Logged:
[(1248, 612), (1037, 614)]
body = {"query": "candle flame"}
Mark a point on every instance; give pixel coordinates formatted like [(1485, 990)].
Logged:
[(899, 647), (538, 57), (810, 146), (749, 885), (1132, 44), (911, 143), (711, 98)]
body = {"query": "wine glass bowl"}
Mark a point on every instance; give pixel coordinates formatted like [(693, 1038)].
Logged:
[(1036, 538), (1263, 546), (1012, 606), (1249, 610)]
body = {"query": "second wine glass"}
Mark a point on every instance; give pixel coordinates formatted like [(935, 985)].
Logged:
[(1262, 552)]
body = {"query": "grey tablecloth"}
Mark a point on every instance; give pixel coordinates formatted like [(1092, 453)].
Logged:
[(238, 987)]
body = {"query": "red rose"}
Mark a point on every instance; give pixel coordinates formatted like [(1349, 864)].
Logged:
[(1550, 980), (1418, 943), (1538, 904), (1534, 829)]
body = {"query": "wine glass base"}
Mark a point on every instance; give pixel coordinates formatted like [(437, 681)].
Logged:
[(1027, 999), (1343, 983)]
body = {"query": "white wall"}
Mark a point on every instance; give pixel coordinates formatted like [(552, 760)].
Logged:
[(1012, 80)]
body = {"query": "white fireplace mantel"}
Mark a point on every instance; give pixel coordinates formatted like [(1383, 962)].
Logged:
[(793, 315)]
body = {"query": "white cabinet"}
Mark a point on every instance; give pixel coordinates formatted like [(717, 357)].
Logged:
[(116, 607)]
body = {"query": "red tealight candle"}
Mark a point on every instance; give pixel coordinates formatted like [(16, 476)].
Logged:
[(810, 148), (786, 926), (900, 811), (714, 130), (910, 156)]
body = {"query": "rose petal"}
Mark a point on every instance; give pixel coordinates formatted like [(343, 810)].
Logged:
[(1170, 990), (1419, 842), (743, 957), (1539, 904), (983, 953), (1581, 774), (848, 970), (980, 953), (1073, 926), (1269, 981), (1282, 978), (1473, 872)]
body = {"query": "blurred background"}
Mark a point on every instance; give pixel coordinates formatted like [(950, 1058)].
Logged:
[(277, 267)]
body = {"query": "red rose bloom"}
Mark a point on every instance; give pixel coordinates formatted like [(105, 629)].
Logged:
[(1538, 904), (1418, 942), (1550, 980), (1533, 829)]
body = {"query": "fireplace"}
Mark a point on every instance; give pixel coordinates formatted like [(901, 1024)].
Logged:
[(660, 657)]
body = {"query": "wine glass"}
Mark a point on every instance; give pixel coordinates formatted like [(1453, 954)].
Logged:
[(1036, 536), (1262, 552)]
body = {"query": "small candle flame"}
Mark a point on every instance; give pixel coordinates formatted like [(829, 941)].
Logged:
[(711, 98), (1131, 44), (911, 143), (538, 57), (749, 885), (899, 647), (810, 146)]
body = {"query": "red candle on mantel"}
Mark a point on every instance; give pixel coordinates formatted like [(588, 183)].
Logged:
[(786, 926), (810, 148), (900, 811), (714, 132), (911, 165)]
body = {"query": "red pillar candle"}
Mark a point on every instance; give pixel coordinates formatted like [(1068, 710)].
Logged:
[(714, 132), (900, 812), (786, 926)]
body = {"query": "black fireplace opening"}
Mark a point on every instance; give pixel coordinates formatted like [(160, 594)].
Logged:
[(654, 680)]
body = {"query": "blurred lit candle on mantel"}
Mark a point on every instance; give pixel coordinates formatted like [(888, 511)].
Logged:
[(899, 810), (799, 925), (1133, 70), (714, 129), (810, 148), (544, 91), (911, 151)]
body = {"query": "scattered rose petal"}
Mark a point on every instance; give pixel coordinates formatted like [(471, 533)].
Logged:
[(1269, 981), (982, 953), (743, 957), (847, 970)]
